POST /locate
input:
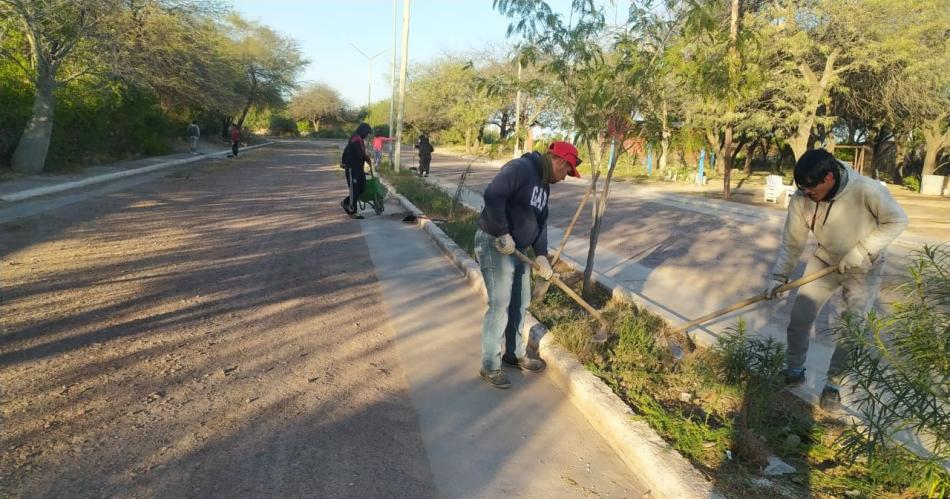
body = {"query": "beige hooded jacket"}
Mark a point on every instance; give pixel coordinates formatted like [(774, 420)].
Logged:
[(862, 212)]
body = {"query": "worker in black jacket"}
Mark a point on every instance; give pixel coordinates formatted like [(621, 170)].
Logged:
[(425, 154), (354, 157), (515, 217)]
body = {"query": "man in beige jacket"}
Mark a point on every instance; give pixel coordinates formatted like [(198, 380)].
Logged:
[(854, 219)]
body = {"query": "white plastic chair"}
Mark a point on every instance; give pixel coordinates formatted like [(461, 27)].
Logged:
[(774, 187)]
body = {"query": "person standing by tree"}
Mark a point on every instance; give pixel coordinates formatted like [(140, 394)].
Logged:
[(354, 157), (854, 219), (425, 154), (515, 217), (235, 133), (194, 133), (378, 141)]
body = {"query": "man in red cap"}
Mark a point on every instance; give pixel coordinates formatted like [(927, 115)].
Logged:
[(515, 217)]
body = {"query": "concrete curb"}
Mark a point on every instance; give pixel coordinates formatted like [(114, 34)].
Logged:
[(50, 189), (657, 465)]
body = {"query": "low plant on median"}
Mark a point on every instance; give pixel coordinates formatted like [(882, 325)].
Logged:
[(728, 398), (460, 224), (899, 366), (717, 400)]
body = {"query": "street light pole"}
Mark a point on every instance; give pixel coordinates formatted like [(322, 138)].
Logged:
[(369, 80), (392, 79), (403, 67)]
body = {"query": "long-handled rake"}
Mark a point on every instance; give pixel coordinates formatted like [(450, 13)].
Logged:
[(542, 288), (756, 299), (457, 198), (604, 332)]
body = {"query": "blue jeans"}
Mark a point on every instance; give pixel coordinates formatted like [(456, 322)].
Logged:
[(508, 283)]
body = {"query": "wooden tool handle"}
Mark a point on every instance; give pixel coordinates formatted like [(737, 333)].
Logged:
[(757, 298), (564, 287), (577, 215)]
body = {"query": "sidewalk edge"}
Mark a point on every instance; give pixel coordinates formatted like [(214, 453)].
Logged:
[(657, 465), (51, 189)]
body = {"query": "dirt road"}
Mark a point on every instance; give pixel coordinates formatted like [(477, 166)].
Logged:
[(217, 331)]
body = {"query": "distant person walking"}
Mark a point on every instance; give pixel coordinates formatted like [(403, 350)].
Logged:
[(425, 155), (354, 157), (235, 139), (194, 133)]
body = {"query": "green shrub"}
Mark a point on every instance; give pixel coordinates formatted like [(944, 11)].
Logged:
[(912, 183), (899, 365), (282, 126)]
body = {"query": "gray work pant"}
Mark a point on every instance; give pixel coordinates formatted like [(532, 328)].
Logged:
[(859, 289)]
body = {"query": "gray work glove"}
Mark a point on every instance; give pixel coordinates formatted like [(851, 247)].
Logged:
[(774, 284), (544, 269), (856, 258), (505, 244)]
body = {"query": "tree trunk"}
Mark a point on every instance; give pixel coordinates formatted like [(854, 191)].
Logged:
[(601, 208), (664, 138), (225, 125), (936, 139), (247, 108), (250, 98), (31, 150), (750, 152), (817, 88), (726, 159)]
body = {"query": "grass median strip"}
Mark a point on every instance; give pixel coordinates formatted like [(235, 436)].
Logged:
[(725, 409)]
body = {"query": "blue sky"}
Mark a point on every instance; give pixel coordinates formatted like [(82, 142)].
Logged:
[(326, 28)]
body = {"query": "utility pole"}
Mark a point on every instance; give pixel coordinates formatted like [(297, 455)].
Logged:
[(392, 78), (369, 80), (517, 148), (403, 67)]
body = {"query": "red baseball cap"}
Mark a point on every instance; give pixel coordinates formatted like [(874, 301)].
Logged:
[(567, 152)]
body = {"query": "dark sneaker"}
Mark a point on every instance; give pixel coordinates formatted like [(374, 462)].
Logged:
[(830, 400), (497, 378), (356, 217), (346, 207), (794, 375), (525, 363)]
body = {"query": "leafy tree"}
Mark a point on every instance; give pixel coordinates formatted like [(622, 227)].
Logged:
[(316, 103), (269, 63), (56, 34), (600, 89), (175, 49), (814, 44)]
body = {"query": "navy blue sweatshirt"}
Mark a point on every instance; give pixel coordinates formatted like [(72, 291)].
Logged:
[(516, 203)]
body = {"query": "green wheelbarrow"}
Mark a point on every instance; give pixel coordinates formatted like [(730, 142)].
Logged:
[(375, 193)]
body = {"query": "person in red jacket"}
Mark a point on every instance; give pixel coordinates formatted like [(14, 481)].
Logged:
[(378, 141), (235, 133)]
